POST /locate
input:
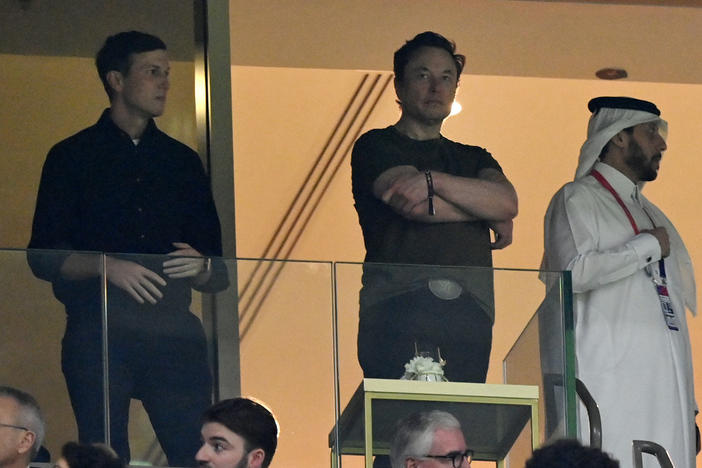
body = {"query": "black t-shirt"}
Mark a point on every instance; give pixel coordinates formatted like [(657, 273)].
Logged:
[(391, 238)]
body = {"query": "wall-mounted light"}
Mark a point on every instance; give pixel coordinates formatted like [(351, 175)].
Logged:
[(455, 108), (611, 73)]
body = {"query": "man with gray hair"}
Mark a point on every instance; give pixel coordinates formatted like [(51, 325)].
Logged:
[(429, 439), (632, 280), (21, 428)]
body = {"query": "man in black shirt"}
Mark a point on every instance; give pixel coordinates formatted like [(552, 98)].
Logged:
[(423, 199), (124, 187)]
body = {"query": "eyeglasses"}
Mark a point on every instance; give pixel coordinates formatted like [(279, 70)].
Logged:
[(14, 427), (455, 457)]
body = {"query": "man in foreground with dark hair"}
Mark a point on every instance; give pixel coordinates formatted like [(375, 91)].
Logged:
[(22, 428), (237, 433), (429, 439), (124, 187), (567, 453), (423, 199), (632, 281)]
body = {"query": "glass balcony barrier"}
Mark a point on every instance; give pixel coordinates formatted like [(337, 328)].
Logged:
[(32, 324), (283, 332), (483, 324), (82, 345)]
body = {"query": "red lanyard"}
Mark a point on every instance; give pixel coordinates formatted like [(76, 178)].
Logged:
[(600, 178), (661, 284)]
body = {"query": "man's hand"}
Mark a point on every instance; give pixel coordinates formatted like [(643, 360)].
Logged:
[(662, 235), (503, 233), (406, 192), (138, 281), (189, 262)]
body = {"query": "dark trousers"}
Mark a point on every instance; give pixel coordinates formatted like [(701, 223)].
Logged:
[(168, 373), (389, 329)]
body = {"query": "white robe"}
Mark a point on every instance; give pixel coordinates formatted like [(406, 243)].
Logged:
[(638, 371)]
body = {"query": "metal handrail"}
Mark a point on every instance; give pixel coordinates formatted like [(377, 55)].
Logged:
[(593, 413), (646, 446), (639, 447)]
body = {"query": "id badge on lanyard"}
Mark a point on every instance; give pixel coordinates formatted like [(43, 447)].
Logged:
[(659, 277), (661, 283)]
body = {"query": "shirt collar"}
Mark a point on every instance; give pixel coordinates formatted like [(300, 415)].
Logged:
[(107, 123), (622, 184)]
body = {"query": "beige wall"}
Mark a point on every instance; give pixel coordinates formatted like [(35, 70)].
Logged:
[(534, 127)]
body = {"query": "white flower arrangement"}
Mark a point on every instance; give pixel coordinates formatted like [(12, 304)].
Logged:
[(424, 368)]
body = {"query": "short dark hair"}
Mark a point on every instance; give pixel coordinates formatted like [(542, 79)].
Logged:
[(569, 453), (116, 53), (249, 420), (90, 456), (30, 414), (426, 39)]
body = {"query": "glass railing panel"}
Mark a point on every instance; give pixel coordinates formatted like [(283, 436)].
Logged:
[(543, 355), (287, 314), (286, 332), (510, 297), (162, 356), (34, 322)]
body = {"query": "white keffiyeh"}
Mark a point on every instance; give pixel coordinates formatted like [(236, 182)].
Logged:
[(603, 125)]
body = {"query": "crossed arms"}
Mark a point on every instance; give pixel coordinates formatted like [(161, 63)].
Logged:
[(490, 197)]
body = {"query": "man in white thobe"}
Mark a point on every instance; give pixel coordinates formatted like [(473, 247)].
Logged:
[(632, 281)]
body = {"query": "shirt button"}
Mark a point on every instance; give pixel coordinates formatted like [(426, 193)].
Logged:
[(142, 236), (139, 210), (138, 179)]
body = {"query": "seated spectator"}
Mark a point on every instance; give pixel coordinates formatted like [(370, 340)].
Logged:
[(569, 453), (22, 428), (429, 439), (75, 455), (237, 433)]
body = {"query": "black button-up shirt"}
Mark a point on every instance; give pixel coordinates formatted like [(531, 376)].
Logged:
[(101, 192)]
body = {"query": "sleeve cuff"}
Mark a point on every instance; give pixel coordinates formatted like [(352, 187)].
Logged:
[(647, 248)]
